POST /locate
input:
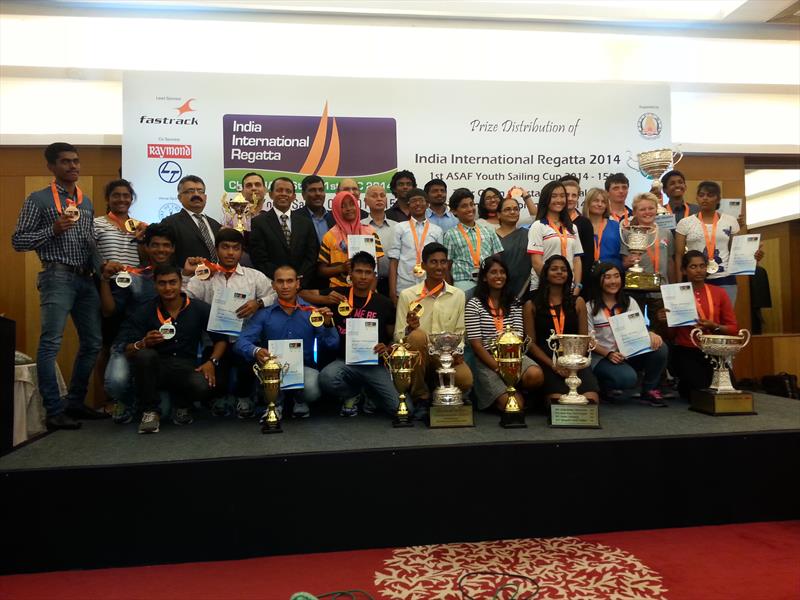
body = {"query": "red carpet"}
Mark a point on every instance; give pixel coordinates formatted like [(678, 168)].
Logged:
[(758, 561)]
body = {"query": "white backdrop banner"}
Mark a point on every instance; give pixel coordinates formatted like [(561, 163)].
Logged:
[(471, 134)]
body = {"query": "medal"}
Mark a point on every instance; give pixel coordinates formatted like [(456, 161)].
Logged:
[(418, 271), (72, 212), (712, 266), (167, 330), (416, 308), (474, 276), (515, 192), (344, 308), (123, 279), (316, 318), (202, 272), (348, 280), (130, 225)]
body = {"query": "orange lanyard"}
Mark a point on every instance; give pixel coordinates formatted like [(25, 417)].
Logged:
[(700, 310), (573, 214), (169, 319), (612, 312), (558, 321), (598, 239), (217, 267), (70, 202), (685, 209), (417, 243), (711, 243), (619, 219), (351, 297), (655, 254), (561, 233), (118, 222), (474, 252), (497, 315), (137, 270), (426, 292), (285, 304)]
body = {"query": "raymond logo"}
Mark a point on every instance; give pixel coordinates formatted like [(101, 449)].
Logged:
[(169, 151)]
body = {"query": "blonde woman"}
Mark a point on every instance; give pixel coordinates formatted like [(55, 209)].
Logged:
[(606, 231)]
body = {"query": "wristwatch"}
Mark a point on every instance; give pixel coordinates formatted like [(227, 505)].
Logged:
[(260, 303), (214, 361)]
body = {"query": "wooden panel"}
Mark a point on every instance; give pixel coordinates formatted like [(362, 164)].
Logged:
[(12, 292), (773, 317), (786, 354)]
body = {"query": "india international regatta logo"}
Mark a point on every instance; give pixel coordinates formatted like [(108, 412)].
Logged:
[(363, 148)]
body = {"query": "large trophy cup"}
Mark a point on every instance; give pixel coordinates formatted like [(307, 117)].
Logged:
[(572, 352), (721, 398), (238, 212), (401, 362), (270, 375), (508, 350), (654, 163), (448, 408), (638, 239)]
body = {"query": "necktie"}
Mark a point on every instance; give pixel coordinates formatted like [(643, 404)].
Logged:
[(204, 233), (285, 226)]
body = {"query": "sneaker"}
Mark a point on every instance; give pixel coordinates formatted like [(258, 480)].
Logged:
[(122, 414), (349, 407), (244, 408), (653, 398), (151, 421), (301, 410), (613, 396), (369, 407), (221, 408), (182, 417)]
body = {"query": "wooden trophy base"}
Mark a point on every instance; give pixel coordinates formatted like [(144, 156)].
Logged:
[(720, 404), (451, 416), (642, 281), (576, 416)]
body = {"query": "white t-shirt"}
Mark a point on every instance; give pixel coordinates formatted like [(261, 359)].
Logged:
[(544, 240), (601, 329), (727, 227)]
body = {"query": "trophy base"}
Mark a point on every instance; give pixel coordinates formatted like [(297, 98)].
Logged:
[(576, 416), (402, 418), (642, 281), (720, 404), (460, 415), (271, 428), (513, 420)]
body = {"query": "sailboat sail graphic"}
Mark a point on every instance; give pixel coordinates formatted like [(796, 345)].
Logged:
[(319, 162)]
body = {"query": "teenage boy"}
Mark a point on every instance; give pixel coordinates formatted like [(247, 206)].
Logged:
[(674, 184), (617, 186), (402, 182)]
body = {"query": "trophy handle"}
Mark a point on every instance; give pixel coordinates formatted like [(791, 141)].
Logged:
[(592, 344), (552, 341), (633, 164), (746, 335), (677, 156), (694, 335), (257, 370)]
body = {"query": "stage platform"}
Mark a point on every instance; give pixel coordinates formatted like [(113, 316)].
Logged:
[(219, 489)]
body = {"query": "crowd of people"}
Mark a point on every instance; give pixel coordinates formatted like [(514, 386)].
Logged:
[(140, 294)]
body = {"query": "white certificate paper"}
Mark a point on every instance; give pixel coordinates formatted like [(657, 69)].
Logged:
[(665, 221), (630, 333), (222, 318), (289, 351), (731, 206), (742, 260), (360, 243), (361, 339), (679, 302)]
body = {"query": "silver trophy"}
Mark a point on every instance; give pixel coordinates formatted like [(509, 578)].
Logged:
[(720, 350), (572, 352), (638, 238), (654, 163), (445, 345)]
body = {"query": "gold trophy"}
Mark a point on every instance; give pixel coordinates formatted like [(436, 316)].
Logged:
[(638, 238), (721, 398), (270, 375), (401, 363), (508, 350), (238, 212), (572, 352), (654, 163)]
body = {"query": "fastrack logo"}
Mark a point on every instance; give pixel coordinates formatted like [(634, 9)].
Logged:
[(169, 151)]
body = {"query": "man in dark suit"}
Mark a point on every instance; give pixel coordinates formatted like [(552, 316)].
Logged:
[(194, 232), (282, 237)]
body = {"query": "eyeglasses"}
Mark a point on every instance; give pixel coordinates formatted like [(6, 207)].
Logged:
[(510, 209), (200, 191)]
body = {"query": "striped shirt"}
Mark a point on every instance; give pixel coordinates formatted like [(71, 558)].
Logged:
[(333, 251), (480, 323), (601, 329), (458, 250), (115, 244)]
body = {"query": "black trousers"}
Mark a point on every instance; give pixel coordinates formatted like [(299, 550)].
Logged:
[(154, 373), (233, 363), (693, 370)]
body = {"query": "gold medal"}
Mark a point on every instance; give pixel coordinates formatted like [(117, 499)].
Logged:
[(416, 308), (131, 225), (72, 212), (418, 270), (344, 308), (712, 267), (316, 318), (202, 272)]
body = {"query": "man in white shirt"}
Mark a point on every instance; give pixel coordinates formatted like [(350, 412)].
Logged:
[(376, 201)]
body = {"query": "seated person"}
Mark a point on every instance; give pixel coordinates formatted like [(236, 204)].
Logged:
[(161, 339), (346, 381), (615, 372), (488, 312), (288, 319), (715, 315), (552, 307), (442, 309), (256, 292)]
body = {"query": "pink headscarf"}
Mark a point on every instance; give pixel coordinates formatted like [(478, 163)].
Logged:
[(346, 228)]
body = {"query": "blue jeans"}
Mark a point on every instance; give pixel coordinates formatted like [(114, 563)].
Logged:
[(624, 375), (346, 381), (61, 294), (118, 381)]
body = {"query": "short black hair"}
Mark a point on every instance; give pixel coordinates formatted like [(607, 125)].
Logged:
[(251, 174), (670, 174), (276, 180), (228, 234), (711, 187), (158, 230), (404, 174), (414, 192), (309, 180), (432, 248), (166, 269), (53, 150), (192, 178), (616, 178), (118, 183), (457, 196), (434, 182), (363, 258), (285, 266)]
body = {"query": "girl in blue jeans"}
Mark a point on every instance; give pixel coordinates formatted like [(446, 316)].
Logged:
[(615, 372)]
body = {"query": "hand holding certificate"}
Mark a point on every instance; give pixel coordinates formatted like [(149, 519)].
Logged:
[(361, 338), (742, 260), (289, 351), (360, 243), (679, 302), (731, 206), (223, 317), (630, 333)]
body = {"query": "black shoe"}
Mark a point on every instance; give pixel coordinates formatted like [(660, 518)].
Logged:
[(61, 421), (84, 413)]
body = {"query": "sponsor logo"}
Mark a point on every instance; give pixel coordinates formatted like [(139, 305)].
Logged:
[(170, 208), (169, 151), (169, 171), (649, 126), (185, 107)]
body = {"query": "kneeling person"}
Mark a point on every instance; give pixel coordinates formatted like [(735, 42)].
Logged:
[(346, 380), (161, 339)]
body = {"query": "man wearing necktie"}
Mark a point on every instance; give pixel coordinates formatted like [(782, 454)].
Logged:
[(194, 232)]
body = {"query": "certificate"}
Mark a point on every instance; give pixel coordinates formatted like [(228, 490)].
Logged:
[(679, 302), (665, 221), (222, 318), (289, 351), (630, 333), (361, 337), (742, 260), (731, 206), (360, 243)]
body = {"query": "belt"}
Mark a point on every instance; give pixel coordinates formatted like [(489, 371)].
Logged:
[(54, 266)]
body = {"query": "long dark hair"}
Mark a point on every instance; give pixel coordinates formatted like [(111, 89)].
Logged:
[(483, 212), (544, 203), (482, 289), (541, 300), (596, 291)]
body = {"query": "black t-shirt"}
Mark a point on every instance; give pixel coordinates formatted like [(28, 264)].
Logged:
[(379, 307)]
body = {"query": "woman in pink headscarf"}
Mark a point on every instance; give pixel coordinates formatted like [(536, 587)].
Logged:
[(333, 251)]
